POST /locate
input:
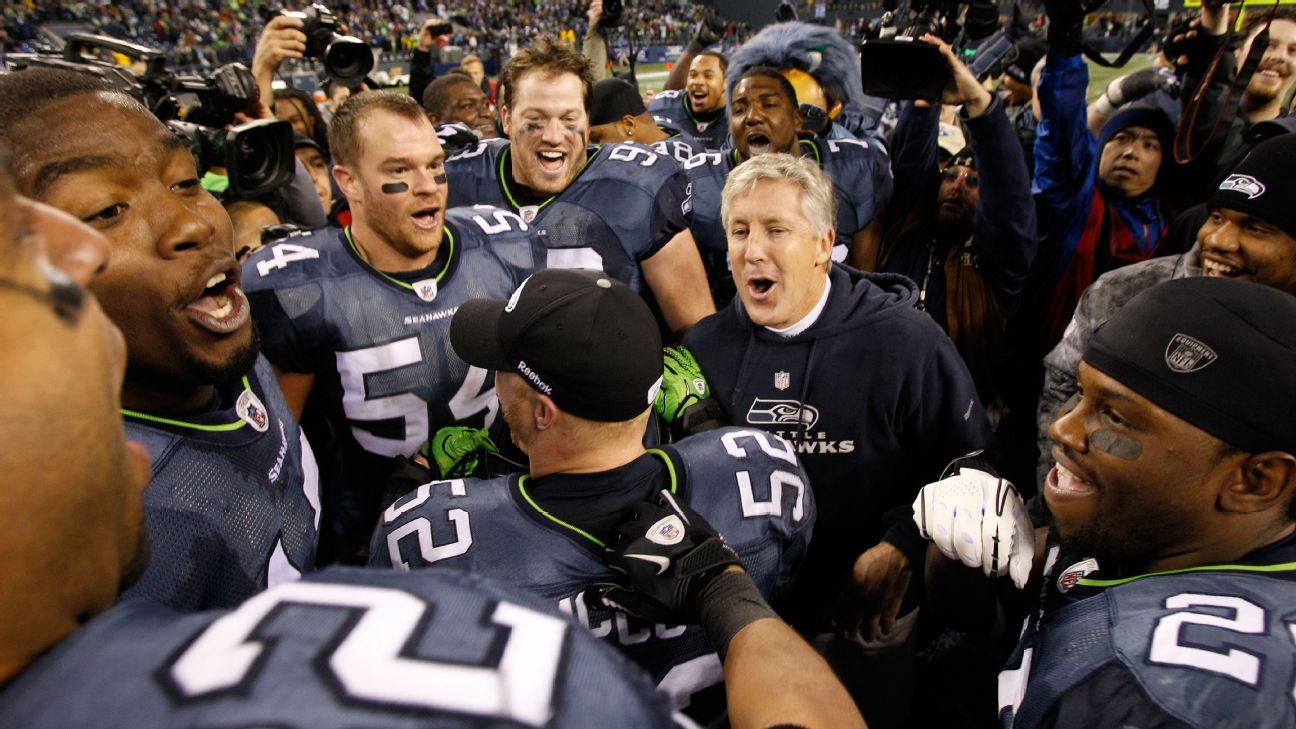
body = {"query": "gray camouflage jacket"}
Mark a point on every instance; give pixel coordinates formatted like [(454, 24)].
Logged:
[(1099, 302)]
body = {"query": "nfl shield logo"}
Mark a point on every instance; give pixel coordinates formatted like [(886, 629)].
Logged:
[(1185, 354), (667, 531), (782, 380), (702, 126), (249, 408), (426, 289), (1072, 574), (529, 212)]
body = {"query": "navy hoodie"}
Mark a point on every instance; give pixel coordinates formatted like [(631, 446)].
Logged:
[(874, 397)]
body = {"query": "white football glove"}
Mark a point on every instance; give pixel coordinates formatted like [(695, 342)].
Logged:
[(980, 520)]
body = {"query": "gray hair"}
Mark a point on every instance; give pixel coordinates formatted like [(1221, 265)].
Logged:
[(817, 201)]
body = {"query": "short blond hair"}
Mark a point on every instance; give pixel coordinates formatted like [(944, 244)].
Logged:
[(818, 204)]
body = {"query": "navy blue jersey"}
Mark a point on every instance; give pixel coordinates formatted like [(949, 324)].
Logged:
[(677, 147), (378, 346), (672, 109), (339, 649), (624, 206), (234, 502), (747, 483), (1213, 647)]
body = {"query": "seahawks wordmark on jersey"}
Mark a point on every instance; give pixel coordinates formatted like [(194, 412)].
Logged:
[(672, 109), (338, 649), (233, 506), (747, 483), (1211, 647), (624, 206), (378, 344)]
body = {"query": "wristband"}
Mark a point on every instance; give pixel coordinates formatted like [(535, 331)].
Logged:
[(729, 603)]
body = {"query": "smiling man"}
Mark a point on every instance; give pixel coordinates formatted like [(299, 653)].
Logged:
[(622, 209), (698, 111), (1168, 575), (358, 318), (777, 359), (1250, 234), (764, 118), (233, 506)]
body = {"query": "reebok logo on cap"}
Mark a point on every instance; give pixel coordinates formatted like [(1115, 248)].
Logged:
[(1245, 184)]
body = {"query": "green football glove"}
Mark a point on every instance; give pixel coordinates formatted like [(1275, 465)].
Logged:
[(456, 449), (682, 384)]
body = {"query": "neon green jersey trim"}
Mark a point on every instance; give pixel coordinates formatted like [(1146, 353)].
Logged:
[(1284, 567), (509, 193), (224, 427), (398, 282), (674, 486)]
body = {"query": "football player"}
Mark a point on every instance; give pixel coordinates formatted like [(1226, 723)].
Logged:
[(359, 317), (234, 505), (1169, 569), (578, 363), (622, 209), (698, 110), (342, 648), (764, 118)]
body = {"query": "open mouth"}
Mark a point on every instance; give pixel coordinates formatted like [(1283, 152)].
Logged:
[(1065, 484), (760, 287), (758, 144), (698, 95), (551, 161), (222, 307), (427, 218), (1215, 269)]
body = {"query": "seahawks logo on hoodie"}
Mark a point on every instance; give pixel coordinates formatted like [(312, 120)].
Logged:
[(782, 412)]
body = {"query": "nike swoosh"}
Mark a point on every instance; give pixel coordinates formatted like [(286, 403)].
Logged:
[(661, 562)]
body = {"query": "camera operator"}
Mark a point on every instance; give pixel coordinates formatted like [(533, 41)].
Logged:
[(422, 64), (1219, 147), (969, 240), (1103, 201), (297, 203), (594, 45)]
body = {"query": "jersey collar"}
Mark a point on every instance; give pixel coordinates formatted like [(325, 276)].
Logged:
[(450, 260)]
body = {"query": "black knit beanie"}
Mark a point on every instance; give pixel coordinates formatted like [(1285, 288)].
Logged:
[(1217, 353), (1263, 184)]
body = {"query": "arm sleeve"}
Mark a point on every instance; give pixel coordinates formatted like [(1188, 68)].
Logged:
[(421, 74), (1065, 152), (594, 47), (1004, 226), (913, 156), (672, 210)]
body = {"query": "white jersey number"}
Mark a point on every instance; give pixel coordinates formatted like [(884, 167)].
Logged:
[(372, 663)]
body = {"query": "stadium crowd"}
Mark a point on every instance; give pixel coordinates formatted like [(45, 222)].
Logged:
[(923, 384)]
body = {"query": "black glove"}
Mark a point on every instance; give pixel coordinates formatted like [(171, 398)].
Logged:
[(709, 30), (1066, 25), (669, 554), (456, 137)]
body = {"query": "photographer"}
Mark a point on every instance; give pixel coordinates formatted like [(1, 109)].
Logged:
[(1102, 201), (1217, 146), (594, 45), (422, 64), (969, 240)]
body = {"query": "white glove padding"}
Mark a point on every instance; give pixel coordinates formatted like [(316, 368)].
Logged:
[(980, 520)]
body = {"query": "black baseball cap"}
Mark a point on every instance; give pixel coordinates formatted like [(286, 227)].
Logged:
[(581, 338), (612, 99)]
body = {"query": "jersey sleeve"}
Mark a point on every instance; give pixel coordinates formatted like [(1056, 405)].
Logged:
[(672, 209), (290, 320), (861, 172), (428, 526), (1110, 697)]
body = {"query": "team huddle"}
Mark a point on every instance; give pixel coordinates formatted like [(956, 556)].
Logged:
[(576, 428)]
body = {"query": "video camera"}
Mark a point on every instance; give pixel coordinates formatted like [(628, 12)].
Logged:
[(257, 156), (897, 65), (347, 59)]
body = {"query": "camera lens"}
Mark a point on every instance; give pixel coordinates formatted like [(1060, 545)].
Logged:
[(348, 60)]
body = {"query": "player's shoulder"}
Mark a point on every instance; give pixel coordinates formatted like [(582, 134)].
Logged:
[(677, 147), (842, 155), (481, 226), (735, 443), (666, 100), (631, 162), (484, 153), (1215, 645), (301, 258), (709, 164)]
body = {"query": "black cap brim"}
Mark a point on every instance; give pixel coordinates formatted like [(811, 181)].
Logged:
[(474, 334)]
